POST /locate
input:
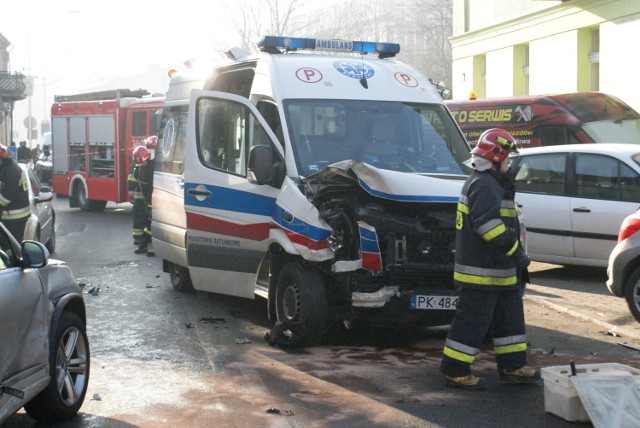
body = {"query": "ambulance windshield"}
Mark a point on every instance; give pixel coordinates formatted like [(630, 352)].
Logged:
[(418, 138)]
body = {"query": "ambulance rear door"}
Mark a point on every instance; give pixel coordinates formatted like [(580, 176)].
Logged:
[(228, 216)]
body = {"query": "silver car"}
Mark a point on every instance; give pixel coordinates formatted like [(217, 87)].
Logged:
[(41, 225), (574, 198), (623, 270), (44, 350)]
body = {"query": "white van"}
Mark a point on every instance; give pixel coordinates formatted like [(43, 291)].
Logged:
[(326, 184)]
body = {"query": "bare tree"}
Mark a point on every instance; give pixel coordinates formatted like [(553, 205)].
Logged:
[(253, 19), (421, 27), (434, 23)]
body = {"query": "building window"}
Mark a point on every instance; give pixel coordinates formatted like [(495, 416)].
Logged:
[(594, 59)]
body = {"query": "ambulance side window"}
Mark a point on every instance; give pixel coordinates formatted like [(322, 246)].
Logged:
[(171, 140), (226, 133)]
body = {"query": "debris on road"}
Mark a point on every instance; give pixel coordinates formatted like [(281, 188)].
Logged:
[(213, 320), (280, 412), (282, 333), (94, 291), (242, 341), (191, 325), (97, 397)]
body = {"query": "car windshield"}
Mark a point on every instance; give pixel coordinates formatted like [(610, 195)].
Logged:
[(388, 135), (614, 131)]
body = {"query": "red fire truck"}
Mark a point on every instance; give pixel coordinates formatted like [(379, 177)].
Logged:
[(93, 136)]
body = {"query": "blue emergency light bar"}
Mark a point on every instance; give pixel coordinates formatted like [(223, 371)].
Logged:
[(275, 43)]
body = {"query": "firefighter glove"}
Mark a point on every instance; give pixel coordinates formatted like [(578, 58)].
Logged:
[(521, 259)]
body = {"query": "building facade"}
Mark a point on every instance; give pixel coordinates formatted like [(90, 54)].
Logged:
[(528, 47), (12, 89)]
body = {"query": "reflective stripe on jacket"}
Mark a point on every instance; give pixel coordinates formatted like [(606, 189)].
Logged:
[(14, 191), (488, 234)]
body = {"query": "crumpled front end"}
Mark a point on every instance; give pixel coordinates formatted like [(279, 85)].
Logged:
[(393, 236)]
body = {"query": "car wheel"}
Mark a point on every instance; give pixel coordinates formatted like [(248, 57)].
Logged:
[(69, 370), (301, 304), (180, 279), (632, 293), (51, 243)]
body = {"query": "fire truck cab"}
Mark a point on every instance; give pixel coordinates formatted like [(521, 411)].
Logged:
[(93, 136), (325, 183)]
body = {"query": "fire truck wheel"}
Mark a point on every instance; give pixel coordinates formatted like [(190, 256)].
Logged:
[(301, 304), (86, 204), (80, 193)]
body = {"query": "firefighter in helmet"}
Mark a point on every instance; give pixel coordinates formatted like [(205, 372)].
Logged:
[(15, 209), (144, 157), (136, 198), (490, 267)]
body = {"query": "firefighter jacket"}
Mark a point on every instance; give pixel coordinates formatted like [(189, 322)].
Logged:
[(132, 182), (487, 233), (14, 191), (145, 180)]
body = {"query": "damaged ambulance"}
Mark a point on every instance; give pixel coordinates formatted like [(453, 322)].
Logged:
[(325, 183)]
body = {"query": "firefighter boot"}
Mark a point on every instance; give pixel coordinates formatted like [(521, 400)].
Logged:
[(142, 246), (465, 382), (522, 375)]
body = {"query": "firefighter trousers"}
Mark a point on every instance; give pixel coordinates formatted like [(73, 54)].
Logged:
[(16, 227), (480, 313), (139, 215)]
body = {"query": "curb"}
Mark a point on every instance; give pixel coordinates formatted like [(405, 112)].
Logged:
[(623, 331)]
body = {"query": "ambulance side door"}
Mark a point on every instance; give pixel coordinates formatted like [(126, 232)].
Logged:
[(228, 215)]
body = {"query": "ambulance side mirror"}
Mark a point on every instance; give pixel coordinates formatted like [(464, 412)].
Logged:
[(261, 165)]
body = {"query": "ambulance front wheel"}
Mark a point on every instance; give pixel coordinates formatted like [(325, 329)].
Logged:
[(301, 304)]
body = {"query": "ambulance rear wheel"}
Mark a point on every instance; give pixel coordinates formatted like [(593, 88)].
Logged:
[(301, 304), (180, 279)]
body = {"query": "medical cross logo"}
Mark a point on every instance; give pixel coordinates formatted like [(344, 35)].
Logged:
[(354, 69)]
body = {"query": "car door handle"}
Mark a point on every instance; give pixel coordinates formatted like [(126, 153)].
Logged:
[(196, 192), (581, 210)]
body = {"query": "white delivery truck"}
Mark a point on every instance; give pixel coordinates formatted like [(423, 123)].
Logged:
[(326, 183)]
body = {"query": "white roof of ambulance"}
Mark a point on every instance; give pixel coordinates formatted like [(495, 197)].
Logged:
[(316, 76)]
